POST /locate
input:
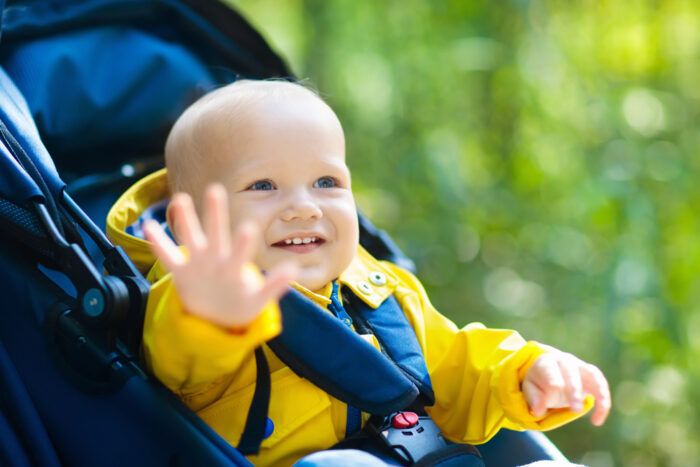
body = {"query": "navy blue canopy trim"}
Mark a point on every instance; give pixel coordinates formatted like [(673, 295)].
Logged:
[(21, 134), (27, 175)]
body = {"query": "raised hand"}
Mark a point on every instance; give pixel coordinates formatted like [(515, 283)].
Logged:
[(558, 379), (216, 282)]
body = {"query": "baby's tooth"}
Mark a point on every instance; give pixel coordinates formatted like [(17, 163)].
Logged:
[(297, 241), (307, 240), (288, 242)]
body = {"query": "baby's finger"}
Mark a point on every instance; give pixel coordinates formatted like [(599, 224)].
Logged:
[(569, 367), (216, 221), (276, 282), (595, 384), (546, 372), (162, 246), (546, 376), (534, 399), (243, 244), (187, 226)]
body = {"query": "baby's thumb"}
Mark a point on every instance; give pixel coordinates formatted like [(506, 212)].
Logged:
[(533, 397)]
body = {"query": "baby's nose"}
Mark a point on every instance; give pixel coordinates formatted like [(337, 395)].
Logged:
[(302, 206)]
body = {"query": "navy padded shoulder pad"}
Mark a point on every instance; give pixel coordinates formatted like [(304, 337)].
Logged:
[(398, 341), (318, 347)]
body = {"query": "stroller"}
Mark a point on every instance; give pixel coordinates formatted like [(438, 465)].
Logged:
[(89, 89)]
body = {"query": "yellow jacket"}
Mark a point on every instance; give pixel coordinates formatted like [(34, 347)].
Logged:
[(475, 372)]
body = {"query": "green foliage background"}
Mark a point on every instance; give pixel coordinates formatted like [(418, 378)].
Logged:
[(539, 160)]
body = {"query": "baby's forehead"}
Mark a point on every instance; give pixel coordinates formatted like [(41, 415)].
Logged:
[(249, 95), (251, 103), (232, 118)]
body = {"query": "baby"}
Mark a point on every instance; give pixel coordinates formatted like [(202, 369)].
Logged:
[(264, 162)]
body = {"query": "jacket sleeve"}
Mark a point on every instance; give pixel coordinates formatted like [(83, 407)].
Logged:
[(475, 372), (186, 352)]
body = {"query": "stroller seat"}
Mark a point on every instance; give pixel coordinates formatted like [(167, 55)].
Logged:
[(88, 91)]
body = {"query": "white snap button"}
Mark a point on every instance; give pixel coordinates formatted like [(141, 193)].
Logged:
[(365, 288), (377, 278)]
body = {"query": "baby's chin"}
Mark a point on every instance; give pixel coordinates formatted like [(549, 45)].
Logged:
[(313, 283), (313, 277)]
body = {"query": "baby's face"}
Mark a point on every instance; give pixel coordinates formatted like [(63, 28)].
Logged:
[(285, 170)]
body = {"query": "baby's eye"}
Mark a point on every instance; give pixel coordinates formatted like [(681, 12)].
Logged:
[(325, 182), (262, 185)]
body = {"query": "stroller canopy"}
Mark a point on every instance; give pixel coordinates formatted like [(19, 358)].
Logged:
[(105, 78)]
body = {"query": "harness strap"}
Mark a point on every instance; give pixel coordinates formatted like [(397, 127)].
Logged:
[(353, 421), (397, 341), (254, 430)]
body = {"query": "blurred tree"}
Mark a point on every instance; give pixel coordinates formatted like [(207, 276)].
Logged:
[(538, 159)]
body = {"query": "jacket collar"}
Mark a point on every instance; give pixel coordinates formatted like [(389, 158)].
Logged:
[(128, 210), (367, 277)]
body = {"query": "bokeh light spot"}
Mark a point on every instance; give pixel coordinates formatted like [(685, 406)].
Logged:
[(643, 112), (505, 290)]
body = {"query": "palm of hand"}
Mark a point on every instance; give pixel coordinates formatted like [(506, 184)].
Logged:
[(211, 284), (216, 282)]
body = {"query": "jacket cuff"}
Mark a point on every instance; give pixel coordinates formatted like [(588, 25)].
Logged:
[(199, 337)]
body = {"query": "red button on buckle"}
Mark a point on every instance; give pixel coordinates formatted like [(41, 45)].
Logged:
[(404, 420)]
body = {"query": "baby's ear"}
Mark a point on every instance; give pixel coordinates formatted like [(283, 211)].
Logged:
[(170, 219)]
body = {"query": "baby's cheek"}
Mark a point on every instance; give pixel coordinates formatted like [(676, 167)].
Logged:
[(342, 260), (262, 258)]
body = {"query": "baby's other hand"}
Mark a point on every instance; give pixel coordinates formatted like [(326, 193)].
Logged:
[(558, 379), (216, 282)]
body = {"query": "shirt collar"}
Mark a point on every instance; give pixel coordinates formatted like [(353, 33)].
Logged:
[(322, 296)]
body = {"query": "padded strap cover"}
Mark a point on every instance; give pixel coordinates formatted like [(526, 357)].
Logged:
[(320, 348), (398, 341)]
